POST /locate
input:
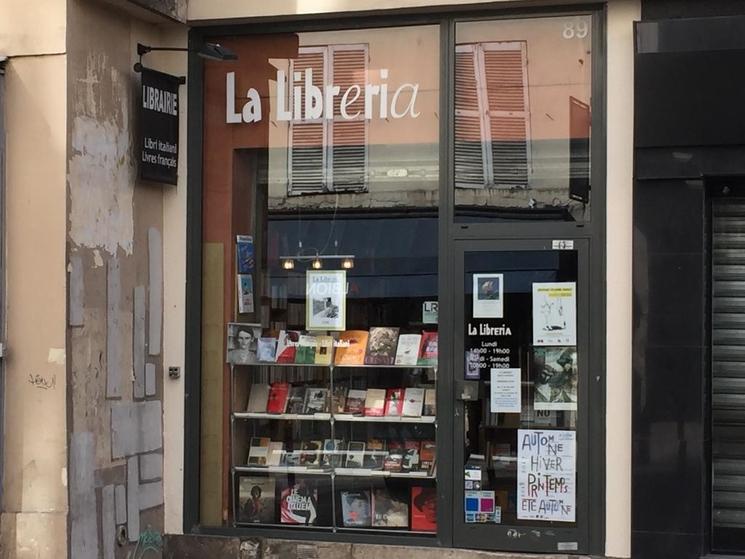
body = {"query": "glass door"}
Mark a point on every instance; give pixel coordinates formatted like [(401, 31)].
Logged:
[(520, 366)]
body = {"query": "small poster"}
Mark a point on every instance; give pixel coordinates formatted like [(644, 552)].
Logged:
[(244, 253), (487, 295), (555, 313), (555, 378), (546, 472), (243, 343), (505, 391), (480, 508), (429, 312), (326, 295), (245, 293)]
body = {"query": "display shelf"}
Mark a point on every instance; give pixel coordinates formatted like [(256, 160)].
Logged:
[(365, 472), (384, 418), (283, 470), (318, 366), (283, 416)]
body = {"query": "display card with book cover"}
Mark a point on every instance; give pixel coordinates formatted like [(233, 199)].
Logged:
[(316, 400), (296, 400), (381, 346), (287, 346), (351, 348), (275, 453), (394, 401), (375, 454), (267, 350), (428, 349), (257, 398), (256, 500), (332, 453), (310, 453), (413, 402), (339, 399), (410, 461), (305, 353), (324, 350), (258, 451), (394, 459), (375, 402), (430, 401), (424, 509), (407, 352), (299, 503), (355, 455), (427, 455), (356, 509), (355, 403), (389, 511), (277, 397)]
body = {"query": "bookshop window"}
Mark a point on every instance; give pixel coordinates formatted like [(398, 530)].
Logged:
[(319, 298), (523, 119)]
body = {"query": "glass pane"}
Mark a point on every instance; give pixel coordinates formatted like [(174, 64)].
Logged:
[(523, 119), (320, 281), (520, 341)]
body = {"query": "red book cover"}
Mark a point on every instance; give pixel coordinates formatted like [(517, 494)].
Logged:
[(428, 349), (287, 346), (392, 462), (277, 397), (423, 509), (394, 401)]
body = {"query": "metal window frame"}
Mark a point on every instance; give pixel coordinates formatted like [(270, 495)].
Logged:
[(450, 233)]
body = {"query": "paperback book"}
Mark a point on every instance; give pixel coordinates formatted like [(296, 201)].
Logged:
[(394, 459), (310, 453), (299, 503), (256, 500), (339, 399), (258, 451), (257, 398), (324, 350), (355, 403), (428, 350), (277, 401), (381, 346), (355, 455), (389, 511), (305, 354), (407, 351), (413, 402), (332, 453), (275, 453), (376, 454), (424, 509), (394, 401), (355, 509), (430, 401), (267, 350), (287, 346), (410, 459), (375, 402), (351, 348), (316, 400), (296, 400)]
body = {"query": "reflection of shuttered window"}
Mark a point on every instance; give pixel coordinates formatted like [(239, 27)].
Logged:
[(492, 122), (330, 154)]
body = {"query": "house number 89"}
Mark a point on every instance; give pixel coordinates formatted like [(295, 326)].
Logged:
[(579, 30)]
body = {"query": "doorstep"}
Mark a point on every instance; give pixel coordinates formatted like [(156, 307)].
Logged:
[(214, 547)]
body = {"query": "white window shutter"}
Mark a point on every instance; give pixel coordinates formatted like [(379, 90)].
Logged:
[(471, 136)]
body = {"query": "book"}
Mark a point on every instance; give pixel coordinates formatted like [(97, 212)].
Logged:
[(339, 399), (324, 350), (310, 453), (355, 509), (355, 403), (355, 455), (258, 451), (257, 398), (292, 456), (299, 503), (277, 401), (267, 350), (427, 456), (256, 500), (244, 254), (245, 290), (407, 352), (332, 453), (430, 401), (381, 346), (351, 348), (389, 511), (423, 509), (394, 401), (428, 349), (296, 400), (375, 402), (375, 454), (394, 459), (413, 401), (316, 400), (305, 352), (275, 453), (287, 345), (410, 460)]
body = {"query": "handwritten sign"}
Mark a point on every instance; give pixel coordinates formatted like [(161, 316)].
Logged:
[(546, 473)]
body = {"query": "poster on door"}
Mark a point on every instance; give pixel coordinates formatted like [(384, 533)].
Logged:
[(546, 474), (555, 314)]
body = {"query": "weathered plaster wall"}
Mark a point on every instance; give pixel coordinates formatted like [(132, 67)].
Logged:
[(34, 500)]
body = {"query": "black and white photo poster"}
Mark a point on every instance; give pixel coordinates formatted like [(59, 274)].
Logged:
[(555, 314), (488, 292), (325, 300)]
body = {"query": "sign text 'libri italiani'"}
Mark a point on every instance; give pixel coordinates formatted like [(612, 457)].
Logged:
[(159, 127)]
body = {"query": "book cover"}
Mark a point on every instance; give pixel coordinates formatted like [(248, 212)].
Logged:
[(375, 402), (245, 287), (428, 349), (275, 453), (427, 456), (256, 500), (413, 402), (299, 503), (244, 254), (389, 511), (355, 401), (430, 401), (277, 401), (355, 509), (381, 346), (355, 455), (324, 350), (394, 459), (394, 401), (257, 398), (410, 460), (375, 454), (287, 346), (305, 353), (258, 451), (267, 350), (351, 348), (292, 456), (407, 352), (316, 400), (310, 453), (332, 453), (339, 399), (424, 509), (296, 400)]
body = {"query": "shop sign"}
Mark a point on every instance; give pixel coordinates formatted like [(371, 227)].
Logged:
[(159, 127)]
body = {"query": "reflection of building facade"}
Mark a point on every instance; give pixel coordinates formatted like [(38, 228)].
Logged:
[(486, 371)]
